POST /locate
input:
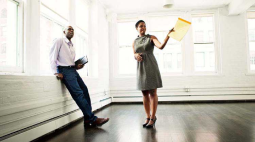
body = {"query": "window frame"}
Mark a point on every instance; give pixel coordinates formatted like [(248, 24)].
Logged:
[(116, 51), (188, 60), (52, 10), (178, 14), (249, 71), (88, 3), (215, 15), (51, 15), (19, 43), (85, 35)]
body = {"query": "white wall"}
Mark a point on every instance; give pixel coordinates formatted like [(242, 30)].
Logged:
[(232, 83), (29, 99)]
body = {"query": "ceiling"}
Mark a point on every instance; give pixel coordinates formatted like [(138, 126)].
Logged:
[(140, 6)]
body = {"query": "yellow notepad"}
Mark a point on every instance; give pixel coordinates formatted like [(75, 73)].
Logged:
[(180, 29)]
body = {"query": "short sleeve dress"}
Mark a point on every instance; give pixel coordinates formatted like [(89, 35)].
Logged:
[(148, 75)]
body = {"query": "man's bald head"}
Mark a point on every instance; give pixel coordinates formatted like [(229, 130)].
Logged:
[(69, 32)]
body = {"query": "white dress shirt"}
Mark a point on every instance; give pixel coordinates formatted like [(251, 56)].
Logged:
[(62, 53)]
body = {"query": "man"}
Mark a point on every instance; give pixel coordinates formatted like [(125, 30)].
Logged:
[(62, 59)]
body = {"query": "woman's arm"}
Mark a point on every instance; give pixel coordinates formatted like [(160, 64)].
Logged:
[(158, 44), (138, 56)]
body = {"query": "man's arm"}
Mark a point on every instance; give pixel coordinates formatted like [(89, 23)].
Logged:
[(54, 51)]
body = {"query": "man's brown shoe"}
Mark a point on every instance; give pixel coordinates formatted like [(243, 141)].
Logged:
[(97, 122), (100, 121)]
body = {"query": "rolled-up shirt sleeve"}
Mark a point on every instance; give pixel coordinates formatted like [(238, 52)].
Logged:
[(54, 51)]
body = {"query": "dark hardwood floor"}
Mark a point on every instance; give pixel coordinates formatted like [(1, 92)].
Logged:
[(194, 122)]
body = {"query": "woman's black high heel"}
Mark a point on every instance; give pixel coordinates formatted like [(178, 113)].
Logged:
[(144, 125), (152, 125)]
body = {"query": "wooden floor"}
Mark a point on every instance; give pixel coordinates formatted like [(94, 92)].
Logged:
[(204, 122)]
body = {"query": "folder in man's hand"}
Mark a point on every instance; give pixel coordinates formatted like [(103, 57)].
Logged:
[(83, 60), (180, 29)]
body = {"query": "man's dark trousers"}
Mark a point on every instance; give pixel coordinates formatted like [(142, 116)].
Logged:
[(79, 91)]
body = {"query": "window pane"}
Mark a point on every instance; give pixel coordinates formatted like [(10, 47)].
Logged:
[(127, 33), (82, 15), (200, 59), (162, 23), (169, 59), (203, 31), (252, 55), (59, 6), (203, 38), (251, 30), (10, 53), (127, 62), (179, 60), (211, 58), (49, 31), (81, 49), (204, 57)]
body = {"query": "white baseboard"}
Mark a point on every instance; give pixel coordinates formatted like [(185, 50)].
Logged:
[(189, 93), (41, 130), (187, 98), (47, 127)]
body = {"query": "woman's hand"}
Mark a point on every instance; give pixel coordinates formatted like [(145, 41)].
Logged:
[(138, 57), (172, 30)]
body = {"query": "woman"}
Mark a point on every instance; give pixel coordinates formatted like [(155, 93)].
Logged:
[(148, 75)]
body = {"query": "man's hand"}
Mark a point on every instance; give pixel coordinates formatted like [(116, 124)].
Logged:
[(59, 76), (79, 66)]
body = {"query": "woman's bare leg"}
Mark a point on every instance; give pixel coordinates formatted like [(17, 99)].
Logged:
[(146, 104), (153, 103)]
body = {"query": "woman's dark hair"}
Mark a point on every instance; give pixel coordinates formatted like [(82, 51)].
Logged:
[(138, 22)]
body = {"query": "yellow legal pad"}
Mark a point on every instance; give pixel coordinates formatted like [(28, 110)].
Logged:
[(180, 29)]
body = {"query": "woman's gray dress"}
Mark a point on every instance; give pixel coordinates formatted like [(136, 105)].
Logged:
[(148, 75)]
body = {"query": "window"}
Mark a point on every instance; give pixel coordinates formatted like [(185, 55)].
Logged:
[(179, 60), (60, 7), (81, 34), (204, 43), (10, 49), (127, 34), (3, 48), (4, 31), (170, 58), (167, 61), (196, 54), (82, 15), (4, 13), (81, 49), (251, 31), (51, 28), (200, 59)]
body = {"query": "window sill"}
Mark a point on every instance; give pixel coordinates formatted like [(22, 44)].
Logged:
[(87, 77), (176, 75), (12, 74), (250, 74)]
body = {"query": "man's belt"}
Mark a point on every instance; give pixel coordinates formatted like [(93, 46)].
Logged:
[(66, 66)]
